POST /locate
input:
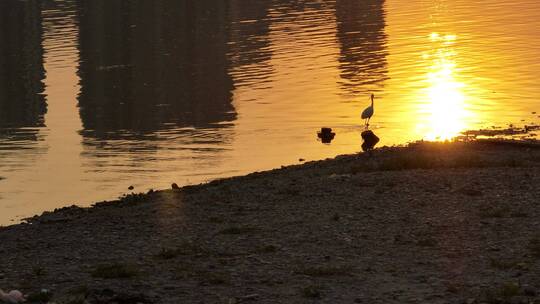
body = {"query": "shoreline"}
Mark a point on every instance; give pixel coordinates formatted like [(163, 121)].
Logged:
[(426, 223)]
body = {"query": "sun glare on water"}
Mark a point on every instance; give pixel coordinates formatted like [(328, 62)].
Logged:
[(445, 107)]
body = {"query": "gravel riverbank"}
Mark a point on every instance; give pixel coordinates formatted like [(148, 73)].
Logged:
[(428, 223)]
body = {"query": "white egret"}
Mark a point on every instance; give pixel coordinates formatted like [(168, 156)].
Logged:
[(368, 112)]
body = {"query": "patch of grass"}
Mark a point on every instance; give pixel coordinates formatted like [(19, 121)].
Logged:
[(216, 220), (534, 247), (133, 198), (470, 191), (74, 299), (427, 242), (452, 288), (509, 290), (325, 270), (292, 191), (38, 271), (114, 271), (43, 296), (312, 291), (75, 295), (408, 161), (237, 230), (83, 289), (228, 253), (188, 189), (267, 249), (183, 271), (185, 248), (359, 168), (502, 212), (168, 253), (430, 156), (503, 264), (502, 294), (519, 213), (467, 161), (497, 212), (214, 278), (396, 162)]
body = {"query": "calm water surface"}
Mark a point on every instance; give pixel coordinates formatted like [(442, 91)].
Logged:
[(99, 95)]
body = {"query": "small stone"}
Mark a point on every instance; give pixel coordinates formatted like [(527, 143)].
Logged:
[(250, 297), (131, 188), (519, 300), (175, 186)]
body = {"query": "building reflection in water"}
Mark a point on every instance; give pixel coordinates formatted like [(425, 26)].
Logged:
[(150, 66), (249, 43), (22, 103), (362, 40)]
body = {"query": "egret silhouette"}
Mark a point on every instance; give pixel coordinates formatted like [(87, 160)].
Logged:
[(368, 112)]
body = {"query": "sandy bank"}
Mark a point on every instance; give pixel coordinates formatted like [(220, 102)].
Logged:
[(429, 223)]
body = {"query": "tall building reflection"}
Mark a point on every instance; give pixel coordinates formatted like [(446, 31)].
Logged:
[(57, 17), (249, 42), (362, 40), (147, 66), (22, 103)]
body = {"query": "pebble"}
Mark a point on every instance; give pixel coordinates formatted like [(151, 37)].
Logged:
[(250, 297)]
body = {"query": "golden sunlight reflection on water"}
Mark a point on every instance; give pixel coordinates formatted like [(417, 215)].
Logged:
[(446, 106)]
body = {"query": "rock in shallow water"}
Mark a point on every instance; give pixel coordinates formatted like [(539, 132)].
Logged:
[(326, 135), (370, 140)]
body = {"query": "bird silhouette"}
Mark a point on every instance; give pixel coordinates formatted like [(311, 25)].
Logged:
[(368, 112)]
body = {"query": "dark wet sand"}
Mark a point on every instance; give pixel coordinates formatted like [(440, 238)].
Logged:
[(428, 223)]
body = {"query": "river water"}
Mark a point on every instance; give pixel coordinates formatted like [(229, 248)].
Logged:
[(100, 95)]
